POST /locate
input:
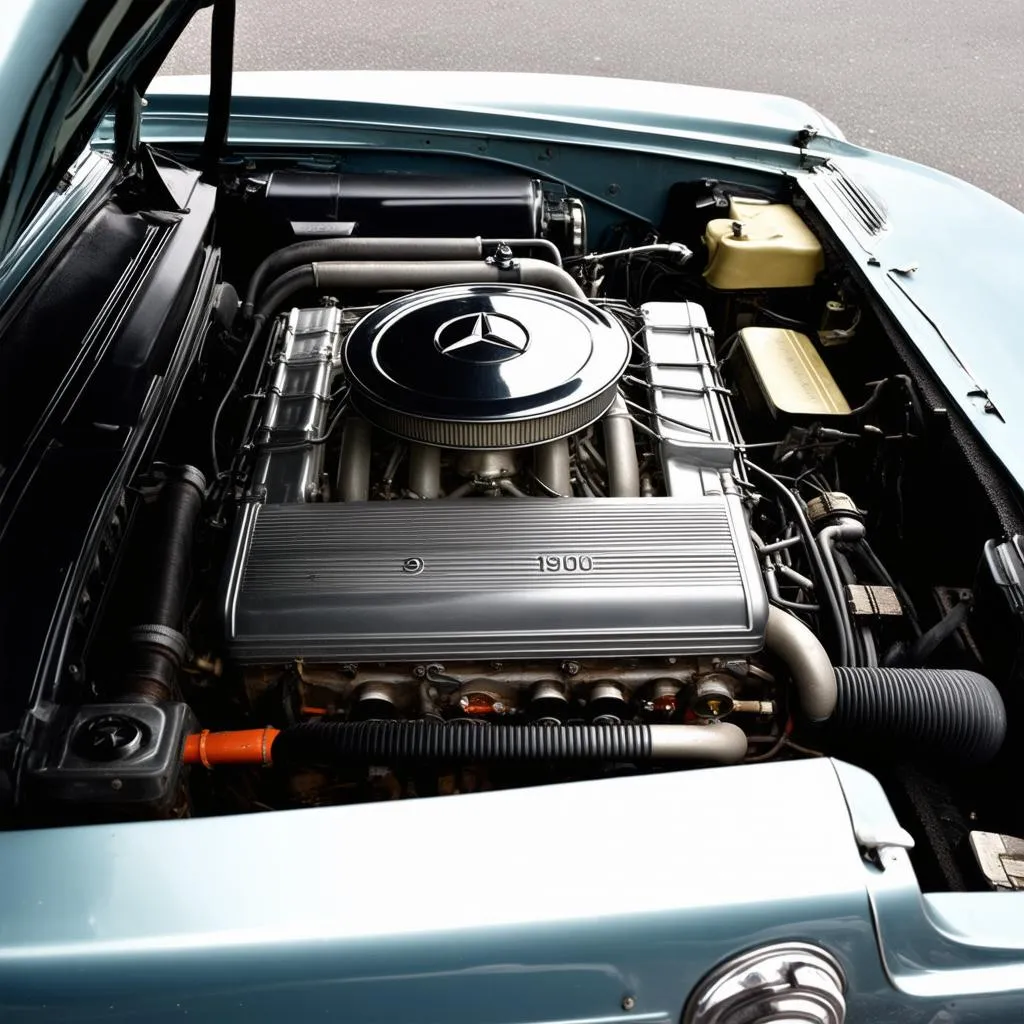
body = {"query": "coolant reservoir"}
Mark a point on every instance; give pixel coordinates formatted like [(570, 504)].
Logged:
[(761, 245)]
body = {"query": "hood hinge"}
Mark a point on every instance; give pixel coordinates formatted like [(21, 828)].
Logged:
[(803, 139)]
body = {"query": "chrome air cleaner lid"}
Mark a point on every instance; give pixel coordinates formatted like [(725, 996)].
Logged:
[(485, 365)]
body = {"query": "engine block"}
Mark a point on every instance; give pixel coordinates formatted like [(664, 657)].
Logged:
[(524, 577)]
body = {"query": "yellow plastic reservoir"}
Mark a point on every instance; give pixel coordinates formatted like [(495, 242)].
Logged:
[(787, 370), (761, 245)]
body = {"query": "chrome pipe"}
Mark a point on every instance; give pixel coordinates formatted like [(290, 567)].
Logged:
[(717, 742), (809, 664), (620, 451), (354, 461), (425, 470), (551, 467)]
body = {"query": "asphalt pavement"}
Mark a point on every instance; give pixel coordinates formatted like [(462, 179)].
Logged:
[(938, 81)]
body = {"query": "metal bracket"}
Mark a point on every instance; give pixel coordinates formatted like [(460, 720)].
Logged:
[(1001, 859), (803, 139)]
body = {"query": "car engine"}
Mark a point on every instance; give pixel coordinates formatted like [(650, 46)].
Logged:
[(493, 510), (491, 543)]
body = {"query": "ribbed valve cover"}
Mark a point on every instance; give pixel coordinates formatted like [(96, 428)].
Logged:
[(485, 365)]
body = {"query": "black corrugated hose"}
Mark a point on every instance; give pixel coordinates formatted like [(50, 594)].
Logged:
[(320, 743), (948, 711)]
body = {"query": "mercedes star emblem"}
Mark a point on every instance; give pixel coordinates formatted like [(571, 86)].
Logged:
[(482, 338), (108, 738)]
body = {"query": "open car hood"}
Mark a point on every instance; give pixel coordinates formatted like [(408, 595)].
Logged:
[(63, 64)]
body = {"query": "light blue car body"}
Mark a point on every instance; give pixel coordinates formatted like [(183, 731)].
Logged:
[(588, 903)]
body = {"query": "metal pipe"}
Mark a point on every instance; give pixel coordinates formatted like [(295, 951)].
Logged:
[(825, 592), (415, 275), (359, 249), (529, 243), (551, 467), (772, 585), (462, 490), (813, 675), (377, 275), (779, 545), (425, 470), (354, 461), (679, 253), (794, 577), (717, 742), (620, 451), (845, 530)]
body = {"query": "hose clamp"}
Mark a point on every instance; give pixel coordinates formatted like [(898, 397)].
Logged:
[(164, 638), (191, 475)]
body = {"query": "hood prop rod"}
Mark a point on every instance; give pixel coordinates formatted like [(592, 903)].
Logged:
[(222, 47)]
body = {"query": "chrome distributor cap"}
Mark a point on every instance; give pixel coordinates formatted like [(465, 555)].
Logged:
[(784, 983)]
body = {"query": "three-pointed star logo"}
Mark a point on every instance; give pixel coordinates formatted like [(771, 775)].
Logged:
[(482, 338)]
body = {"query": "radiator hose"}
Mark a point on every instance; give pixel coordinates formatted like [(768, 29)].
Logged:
[(953, 712), (335, 743), (156, 647)]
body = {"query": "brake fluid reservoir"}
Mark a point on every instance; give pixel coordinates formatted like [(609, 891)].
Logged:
[(761, 245)]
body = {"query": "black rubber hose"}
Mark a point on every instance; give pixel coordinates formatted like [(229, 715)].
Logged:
[(322, 249), (156, 646), (329, 743), (333, 743), (162, 600), (948, 711)]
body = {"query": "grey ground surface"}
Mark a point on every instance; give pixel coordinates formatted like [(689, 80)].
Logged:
[(939, 81)]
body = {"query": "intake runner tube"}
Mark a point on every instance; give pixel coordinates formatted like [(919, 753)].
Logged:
[(335, 743), (425, 471), (813, 675), (370, 276), (553, 469), (354, 462), (620, 451), (357, 249), (156, 647)]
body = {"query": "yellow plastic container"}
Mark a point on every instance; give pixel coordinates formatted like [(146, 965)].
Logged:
[(761, 245), (785, 367)]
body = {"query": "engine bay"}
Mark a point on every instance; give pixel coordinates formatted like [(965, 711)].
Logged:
[(458, 497)]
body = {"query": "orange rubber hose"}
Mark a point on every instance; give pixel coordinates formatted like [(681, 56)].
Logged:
[(241, 746)]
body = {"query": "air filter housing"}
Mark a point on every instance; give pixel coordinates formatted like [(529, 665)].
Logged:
[(485, 365)]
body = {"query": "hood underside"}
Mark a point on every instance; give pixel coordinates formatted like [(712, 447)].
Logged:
[(63, 65)]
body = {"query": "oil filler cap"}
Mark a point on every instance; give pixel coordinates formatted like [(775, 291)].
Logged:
[(108, 738), (785, 983)]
